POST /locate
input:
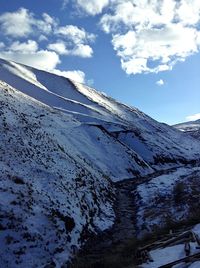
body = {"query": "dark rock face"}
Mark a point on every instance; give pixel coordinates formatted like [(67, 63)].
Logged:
[(68, 221)]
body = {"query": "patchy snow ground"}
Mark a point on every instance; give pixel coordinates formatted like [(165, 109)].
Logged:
[(157, 200), (166, 255), (162, 256)]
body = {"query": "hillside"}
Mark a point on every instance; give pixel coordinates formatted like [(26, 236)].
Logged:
[(192, 128), (70, 160), (157, 144), (48, 160)]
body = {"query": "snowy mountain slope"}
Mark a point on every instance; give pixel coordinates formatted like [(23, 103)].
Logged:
[(53, 90), (160, 146), (157, 144), (192, 128), (63, 145), (55, 180)]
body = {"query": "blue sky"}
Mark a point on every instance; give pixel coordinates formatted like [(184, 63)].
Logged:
[(143, 53)]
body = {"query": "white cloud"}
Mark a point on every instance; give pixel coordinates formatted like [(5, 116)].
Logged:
[(75, 34), (81, 50), (92, 7), (188, 11), (90, 82), (46, 25), (25, 47), (76, 40), (2, 45), (193, 117), (58, 47), (138, 14), (151, 35), (42, 59), (27, 53), (22, 23), (72, 40), (17, 24), (160, 82), (49, 20), (75, 75)]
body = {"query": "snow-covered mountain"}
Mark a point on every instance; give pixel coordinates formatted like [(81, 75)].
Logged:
[(63, 147), (192, 128), (154, 142)]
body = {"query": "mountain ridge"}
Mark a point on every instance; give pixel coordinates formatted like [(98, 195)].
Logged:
[(191, 127), (90, 106)]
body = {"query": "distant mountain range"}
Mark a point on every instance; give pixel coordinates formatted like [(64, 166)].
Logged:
[(192, 128), (64, 145)]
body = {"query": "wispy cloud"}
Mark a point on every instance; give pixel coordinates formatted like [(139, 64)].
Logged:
[(160, 82), (193, 117)]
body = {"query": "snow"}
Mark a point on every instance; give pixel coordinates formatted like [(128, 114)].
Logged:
[(130, 139), (188, 126), (53, 90), (63, 145), (44, 179), (23, 72), (161, 184), (196, 264), (196, 229), (169, 254), (155, 197), (157, 144), (166, 255), (53, 167), (192, 128)]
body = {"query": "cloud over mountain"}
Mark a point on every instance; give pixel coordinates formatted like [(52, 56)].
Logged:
[(42, 42), (147, 36), (193, 117)]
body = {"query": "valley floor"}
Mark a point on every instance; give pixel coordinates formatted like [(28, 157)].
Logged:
[(117, 247)]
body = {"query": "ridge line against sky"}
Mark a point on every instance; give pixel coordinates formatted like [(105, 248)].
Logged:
[(144, 53)]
